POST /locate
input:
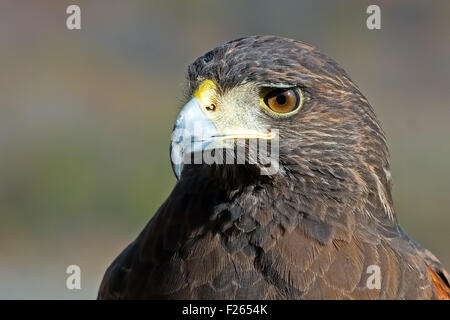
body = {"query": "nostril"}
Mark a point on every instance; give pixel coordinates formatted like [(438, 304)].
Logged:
[(211, 107)]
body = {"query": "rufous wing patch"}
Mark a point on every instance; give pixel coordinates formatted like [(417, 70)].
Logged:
[(442, 289)]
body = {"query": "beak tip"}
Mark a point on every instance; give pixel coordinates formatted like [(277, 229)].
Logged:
[(176, 168)]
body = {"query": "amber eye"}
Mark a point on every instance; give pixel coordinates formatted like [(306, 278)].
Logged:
[(283, 100)]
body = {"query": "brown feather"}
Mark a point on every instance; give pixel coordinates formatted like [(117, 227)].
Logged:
[(312, 230)]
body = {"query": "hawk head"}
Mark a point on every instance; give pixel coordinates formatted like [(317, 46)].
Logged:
[(232, 229), (331, 151)]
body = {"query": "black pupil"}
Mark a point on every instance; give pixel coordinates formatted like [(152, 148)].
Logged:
[(281, 99)]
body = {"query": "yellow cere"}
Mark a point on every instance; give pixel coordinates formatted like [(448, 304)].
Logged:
[(206, 92), (231, 122)]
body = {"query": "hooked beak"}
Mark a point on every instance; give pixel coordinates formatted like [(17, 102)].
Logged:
[(192, 132), (198, 128)]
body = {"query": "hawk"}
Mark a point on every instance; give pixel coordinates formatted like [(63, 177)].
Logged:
[(321, 226)]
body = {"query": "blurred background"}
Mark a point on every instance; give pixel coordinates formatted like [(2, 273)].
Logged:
[(86, 117)]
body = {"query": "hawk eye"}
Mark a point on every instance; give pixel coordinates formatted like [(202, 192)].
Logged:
[(283, 101)]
